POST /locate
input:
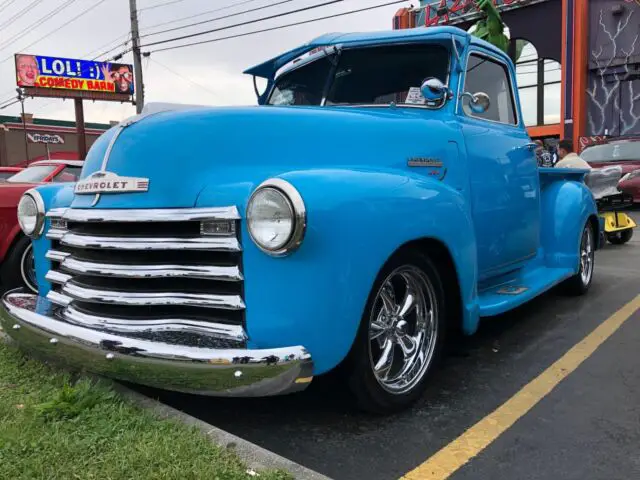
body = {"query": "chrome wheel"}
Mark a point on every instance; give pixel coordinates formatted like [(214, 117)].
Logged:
[(586, 255), (403, 329), (28, 269)]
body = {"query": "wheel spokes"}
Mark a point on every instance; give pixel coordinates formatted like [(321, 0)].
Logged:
[(377, 329), (408, 304), (408, 345), (388, 298), (403, 329), (385, 362)]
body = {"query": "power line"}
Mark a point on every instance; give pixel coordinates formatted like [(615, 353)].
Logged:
[(9, 104), (160, 5), (221, 18), (200, 14), (350, 12), (118, 39), (116, 46), (81, 14), (183, 77), (37, 23), (6, 4), (21, 12), (248, 22)]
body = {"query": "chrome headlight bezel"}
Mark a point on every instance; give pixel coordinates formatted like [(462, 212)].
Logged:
[(296, 206), (33, 195)]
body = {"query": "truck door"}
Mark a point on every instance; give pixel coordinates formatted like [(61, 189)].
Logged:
[(502, 167)]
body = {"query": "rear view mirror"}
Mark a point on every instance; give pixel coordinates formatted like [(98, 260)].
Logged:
[(433, 90)]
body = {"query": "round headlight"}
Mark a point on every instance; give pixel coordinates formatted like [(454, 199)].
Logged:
[(31, 213), (276, 217)]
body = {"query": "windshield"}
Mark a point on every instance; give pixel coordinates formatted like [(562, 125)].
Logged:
[(364, 76), (33, 174), (5, 175), (613, 152), (69, 174)]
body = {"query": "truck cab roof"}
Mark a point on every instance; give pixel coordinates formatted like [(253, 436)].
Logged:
[(270, 67)]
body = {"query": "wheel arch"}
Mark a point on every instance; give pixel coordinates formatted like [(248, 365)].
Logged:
[(440, 254), (595, 226)]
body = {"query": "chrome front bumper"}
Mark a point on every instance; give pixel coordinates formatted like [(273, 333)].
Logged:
[(30, 320)]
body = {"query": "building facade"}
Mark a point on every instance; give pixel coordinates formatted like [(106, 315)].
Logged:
[(579, 70), (39, 139)]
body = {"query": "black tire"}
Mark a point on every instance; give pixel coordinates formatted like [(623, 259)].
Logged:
[(620, 237), (367, 390), (579, 283), (14, 272)]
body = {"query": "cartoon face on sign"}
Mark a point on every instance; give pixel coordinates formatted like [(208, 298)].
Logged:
[(26, 70), (121, 76)]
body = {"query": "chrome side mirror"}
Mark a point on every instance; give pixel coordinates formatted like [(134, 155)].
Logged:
[(478, 102), (433, 90)]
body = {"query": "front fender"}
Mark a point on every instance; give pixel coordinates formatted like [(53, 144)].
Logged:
[(355, 221), (54, 195), (565, 206)]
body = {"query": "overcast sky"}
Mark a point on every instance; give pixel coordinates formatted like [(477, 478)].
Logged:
[(216, 67)]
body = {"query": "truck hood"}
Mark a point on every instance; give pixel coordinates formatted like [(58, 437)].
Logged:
[(184, 152)]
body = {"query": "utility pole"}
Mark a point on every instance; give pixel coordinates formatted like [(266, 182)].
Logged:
[(137, 61)]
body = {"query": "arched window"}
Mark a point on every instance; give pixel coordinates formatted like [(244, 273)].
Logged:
[(538, 85)]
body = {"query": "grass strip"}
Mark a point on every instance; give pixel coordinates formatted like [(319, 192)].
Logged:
[(54, 426)]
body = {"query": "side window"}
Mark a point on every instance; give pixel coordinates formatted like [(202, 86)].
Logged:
[(492, 78)]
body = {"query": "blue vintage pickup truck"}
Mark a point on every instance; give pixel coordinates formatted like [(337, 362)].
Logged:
[(382, 195)]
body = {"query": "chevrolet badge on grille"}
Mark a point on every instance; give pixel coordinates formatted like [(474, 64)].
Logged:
[(107, 182)]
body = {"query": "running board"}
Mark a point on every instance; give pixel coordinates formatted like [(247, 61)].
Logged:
[(520, 290)]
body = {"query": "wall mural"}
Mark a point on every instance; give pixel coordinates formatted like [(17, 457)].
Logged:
[(613, 86)]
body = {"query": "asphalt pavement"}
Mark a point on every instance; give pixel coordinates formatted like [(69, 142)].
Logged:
[(586, 428)]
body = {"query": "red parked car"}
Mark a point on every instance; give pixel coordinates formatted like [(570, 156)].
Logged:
[(6, 172), (623, 151), (16, 259)]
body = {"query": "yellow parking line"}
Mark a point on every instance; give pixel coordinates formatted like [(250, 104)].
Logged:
[(456, 454)]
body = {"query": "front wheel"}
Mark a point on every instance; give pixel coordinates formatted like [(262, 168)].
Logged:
[(620, 237), (400, 336), (580, 282)]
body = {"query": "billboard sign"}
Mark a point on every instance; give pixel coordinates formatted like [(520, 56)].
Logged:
[(451, 12), (37, 71)]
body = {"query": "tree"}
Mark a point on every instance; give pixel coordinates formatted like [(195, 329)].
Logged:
[(491, 28)]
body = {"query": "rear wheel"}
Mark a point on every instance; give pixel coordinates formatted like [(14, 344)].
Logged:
[(620, 237), (580, 282), (401, 335), (18, 268)]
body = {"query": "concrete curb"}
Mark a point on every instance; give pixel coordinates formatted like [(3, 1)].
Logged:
[(255, 457)]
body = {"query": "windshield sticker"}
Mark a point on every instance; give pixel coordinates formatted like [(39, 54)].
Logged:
[(414, 97)]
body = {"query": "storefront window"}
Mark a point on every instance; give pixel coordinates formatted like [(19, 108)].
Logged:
[(529, 102), (539, 87)]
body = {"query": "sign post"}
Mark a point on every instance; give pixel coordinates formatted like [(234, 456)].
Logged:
[(82, 140)]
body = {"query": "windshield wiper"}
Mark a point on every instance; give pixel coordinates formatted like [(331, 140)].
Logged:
[(334, 58)]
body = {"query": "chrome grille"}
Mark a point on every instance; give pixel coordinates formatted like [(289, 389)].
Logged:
[(150, 273)]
